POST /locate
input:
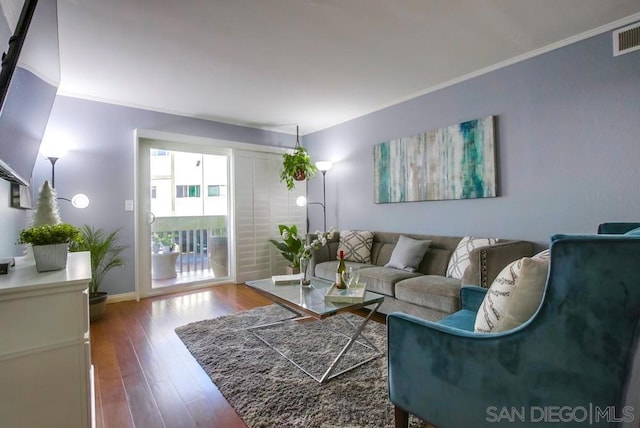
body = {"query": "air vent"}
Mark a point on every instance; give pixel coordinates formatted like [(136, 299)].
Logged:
[(626, 39)]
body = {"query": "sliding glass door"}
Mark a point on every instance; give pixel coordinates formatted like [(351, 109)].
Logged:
[(188, 210), (206, 210)]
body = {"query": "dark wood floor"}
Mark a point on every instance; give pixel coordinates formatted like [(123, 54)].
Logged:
[(145, 377)]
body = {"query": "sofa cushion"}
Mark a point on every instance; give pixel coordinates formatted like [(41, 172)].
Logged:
[(383, 280), (460, 258), (431, 291), (327, 270), (435, 261), (381, 252), (514, 296), (356, 245), (408, 254)]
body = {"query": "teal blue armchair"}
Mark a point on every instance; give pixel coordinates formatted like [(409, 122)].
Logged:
[(572, 360), (617, 228)]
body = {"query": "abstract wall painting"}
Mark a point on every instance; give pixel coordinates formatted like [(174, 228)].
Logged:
[(456, 162)]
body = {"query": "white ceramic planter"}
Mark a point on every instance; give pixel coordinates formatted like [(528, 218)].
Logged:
[(50, 257)]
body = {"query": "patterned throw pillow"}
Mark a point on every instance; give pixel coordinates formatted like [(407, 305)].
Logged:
[(459, 260), (515, 294), (356, 245)]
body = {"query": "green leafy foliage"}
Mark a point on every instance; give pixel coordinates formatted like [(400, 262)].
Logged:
[(293, 247), (165, 238), (50, 234), (291, 244), (106, 253), (294, 164)]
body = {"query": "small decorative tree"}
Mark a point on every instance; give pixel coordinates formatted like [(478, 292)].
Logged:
[(47, 212)]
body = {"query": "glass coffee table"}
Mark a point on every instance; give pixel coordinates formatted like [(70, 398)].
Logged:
[(309, 303)]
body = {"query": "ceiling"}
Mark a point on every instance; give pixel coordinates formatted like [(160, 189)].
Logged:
[(276, 63)]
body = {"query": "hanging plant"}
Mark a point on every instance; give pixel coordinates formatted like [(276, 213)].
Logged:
[(297, 166)]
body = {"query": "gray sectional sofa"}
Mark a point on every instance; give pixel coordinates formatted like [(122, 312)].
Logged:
[(427, 293)]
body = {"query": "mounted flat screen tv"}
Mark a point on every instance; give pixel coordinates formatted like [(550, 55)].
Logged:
[(28, 82)]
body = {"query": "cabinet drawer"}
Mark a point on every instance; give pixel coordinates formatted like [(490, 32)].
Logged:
[(46, 389), (41, 320)]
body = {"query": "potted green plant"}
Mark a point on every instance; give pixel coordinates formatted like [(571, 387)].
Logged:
[(50, 244), (164, 241), (294, 247), (297, 166), (290, 247), (106, 254)]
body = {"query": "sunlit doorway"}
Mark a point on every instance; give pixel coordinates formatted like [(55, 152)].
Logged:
[(188, 213)]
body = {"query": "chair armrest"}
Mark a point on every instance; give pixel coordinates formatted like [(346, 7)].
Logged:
[(428, 363), (616, 228), (485, 263), (471, 297)]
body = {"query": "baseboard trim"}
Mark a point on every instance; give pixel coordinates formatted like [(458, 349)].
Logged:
[(122, 297)]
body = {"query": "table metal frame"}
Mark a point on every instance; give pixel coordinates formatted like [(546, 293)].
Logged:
[(356, 335)]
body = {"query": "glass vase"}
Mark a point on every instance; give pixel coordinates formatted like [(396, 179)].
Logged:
[(304, 272)]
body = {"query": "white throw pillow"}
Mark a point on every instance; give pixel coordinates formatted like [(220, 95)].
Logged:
[(356, 245), (408, 253), (544, 254), (514, 296), (459, 260)]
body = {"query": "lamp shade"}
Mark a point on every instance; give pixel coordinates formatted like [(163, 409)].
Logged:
[(324, 166), (301, 201), (80, 200), (49, 149)]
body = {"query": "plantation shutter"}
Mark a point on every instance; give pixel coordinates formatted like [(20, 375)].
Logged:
[(261, 203)]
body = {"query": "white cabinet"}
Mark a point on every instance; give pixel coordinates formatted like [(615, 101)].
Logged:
[(45, 354)]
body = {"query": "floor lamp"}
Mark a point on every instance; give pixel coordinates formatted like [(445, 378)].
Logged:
[(52, 152), (323, 167)]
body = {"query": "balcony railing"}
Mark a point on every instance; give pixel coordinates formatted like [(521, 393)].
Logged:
[(200, 241)]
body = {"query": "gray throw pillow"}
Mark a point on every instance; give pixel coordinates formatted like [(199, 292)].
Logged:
[(408, 253)]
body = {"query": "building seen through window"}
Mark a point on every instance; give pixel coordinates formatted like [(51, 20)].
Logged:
[(188, 184)]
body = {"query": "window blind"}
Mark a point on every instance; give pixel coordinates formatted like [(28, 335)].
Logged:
[(261, 203)]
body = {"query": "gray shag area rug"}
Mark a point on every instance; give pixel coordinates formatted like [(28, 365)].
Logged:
[(266, 390)]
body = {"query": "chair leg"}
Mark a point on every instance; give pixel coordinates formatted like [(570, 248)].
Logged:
[(401, 417)]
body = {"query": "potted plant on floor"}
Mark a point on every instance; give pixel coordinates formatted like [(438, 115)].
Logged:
[(297, 166), (106, 254), (50, 244), (293, 247), (290, 247)]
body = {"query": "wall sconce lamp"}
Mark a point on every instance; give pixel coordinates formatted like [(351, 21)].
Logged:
[(301, 201), (53, 152), (79, 200)]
